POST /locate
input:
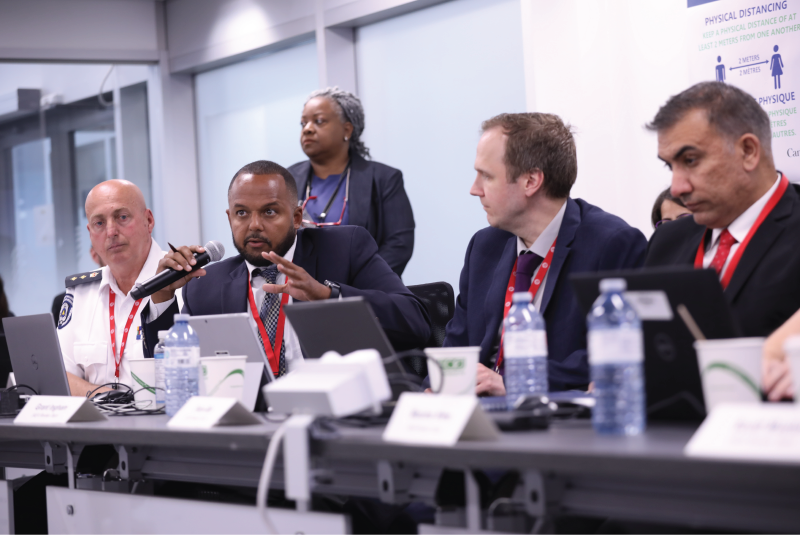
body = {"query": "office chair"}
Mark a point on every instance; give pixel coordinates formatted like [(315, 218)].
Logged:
[(439, 300)]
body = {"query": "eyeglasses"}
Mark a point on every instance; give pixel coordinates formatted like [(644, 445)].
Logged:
[(309, 223), (658, 223)]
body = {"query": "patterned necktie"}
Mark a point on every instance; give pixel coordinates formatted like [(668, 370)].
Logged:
[(270, 311), (726, 240), (526, 264)]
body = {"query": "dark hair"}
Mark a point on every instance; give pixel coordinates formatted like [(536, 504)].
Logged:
[(265, 167), (655, 215), (4, 311), (539, 141), (731, 111)]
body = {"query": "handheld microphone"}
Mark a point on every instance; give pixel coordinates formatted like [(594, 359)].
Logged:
[(214, 252)]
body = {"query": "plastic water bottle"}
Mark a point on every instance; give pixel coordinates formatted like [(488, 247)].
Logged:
[(182, 363), (161, 385), (524, 350), (616, 358)]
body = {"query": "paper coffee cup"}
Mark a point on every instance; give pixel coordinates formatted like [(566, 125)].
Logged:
[(730, 370), (143, 372), (792, 349), (222, 377), (460, 368)]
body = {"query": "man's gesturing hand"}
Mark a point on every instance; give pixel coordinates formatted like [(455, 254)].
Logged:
[(299, 284), (182, 260)]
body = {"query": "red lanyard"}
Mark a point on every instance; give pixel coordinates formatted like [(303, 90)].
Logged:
[(728, 273), (273, 354), (536, 284), (111, 298)]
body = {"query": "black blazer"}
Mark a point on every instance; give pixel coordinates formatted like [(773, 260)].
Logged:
[(765, 288), (346, 255), (378, 202), (589, 240)]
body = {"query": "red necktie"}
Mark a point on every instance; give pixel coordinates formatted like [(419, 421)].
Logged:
[(726, 240)]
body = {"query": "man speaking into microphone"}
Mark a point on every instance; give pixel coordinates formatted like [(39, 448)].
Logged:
[(100, 323), (278, 261)]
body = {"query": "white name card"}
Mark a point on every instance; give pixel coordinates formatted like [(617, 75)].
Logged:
[(761, 432), (650, 305), (438, 420), (204, 413), (58, 410)]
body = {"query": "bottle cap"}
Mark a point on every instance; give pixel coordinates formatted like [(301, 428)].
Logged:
[(182, 317), (613, 285), (521, 297), (162, 335)]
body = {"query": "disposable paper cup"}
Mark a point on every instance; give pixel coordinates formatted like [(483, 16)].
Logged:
[(792, 349), (222, 377), (143, 372), (730, 370), (460, 367)]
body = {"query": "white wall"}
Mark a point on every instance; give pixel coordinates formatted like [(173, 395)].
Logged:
[(427, 80), (78, 30), (606, 67), (246, 112)]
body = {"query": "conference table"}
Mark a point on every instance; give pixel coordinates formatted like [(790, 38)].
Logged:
[(564, 470)]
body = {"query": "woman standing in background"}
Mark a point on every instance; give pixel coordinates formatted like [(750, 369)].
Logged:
[(340, 186)]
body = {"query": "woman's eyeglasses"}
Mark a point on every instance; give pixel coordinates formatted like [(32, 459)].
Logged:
[(658, 223)]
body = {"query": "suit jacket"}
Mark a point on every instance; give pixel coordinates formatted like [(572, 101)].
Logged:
[(377, 202), (346, 255), (765, 288), (589, 240)]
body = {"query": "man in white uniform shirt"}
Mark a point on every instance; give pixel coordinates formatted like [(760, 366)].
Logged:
[(100, 324)]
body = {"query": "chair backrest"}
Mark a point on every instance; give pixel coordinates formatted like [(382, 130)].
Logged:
[(440, 302)]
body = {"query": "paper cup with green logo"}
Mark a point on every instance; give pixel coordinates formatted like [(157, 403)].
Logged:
[(792, 348), (143, 372), (730, 370), (222, 377), (460, 367)]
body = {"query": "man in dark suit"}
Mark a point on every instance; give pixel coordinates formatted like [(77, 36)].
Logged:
[(716, 139), (276, 258), (526, 165)]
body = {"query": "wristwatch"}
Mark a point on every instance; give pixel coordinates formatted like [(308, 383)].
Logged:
[(336, 290)]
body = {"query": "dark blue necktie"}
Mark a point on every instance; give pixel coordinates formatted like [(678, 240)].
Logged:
[(270, 312), (526, 265)]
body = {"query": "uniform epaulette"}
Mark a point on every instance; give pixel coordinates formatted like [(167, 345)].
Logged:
[(83, 278)]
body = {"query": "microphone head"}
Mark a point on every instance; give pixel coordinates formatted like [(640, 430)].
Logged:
[(215, 250)]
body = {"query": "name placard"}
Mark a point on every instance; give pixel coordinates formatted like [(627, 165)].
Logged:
[(204, 413), (58, 410), (438, 420), (760, 432)]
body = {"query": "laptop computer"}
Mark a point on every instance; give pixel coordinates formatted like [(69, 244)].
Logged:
[(672, 377), (341, 325), (36, 354), (232, 334)]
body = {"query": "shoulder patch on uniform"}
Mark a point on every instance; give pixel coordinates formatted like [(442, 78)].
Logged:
[(65, 315), (83, 278)]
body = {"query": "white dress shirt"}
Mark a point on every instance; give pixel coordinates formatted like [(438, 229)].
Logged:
[(84, 330), (541, 247), (739, 228)]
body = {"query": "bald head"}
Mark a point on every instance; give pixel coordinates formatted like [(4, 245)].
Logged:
[(120, 226), (121, 191)]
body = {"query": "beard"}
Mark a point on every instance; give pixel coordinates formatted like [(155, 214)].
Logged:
[(281, 249)]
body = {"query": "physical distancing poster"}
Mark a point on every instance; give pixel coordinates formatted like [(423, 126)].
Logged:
[(754, 45)]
